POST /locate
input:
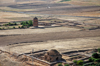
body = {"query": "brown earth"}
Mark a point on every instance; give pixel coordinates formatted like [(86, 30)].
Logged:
[(6, 40)]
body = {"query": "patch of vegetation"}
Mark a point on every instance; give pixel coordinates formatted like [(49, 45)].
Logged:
[(65, 0), (10, 24), (80, 62), (75, 61), (60, 64), (94, 60), (95, 55), (23, 24), (14, 27), (27, 23), (19, 27), (99, 50)]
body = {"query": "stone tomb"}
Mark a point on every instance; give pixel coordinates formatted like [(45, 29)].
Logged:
[(47, 58), (35, 22), (53, 55)]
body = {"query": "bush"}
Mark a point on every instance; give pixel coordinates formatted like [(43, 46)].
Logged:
[(14, 27), (15, 23), (60, 64), (27, 23), (66, 65), (99, 50), (97, 60), (75, 61), (80, 62), (22, 26), (95, 55), (0, 28), (18, 26), (91, 59)]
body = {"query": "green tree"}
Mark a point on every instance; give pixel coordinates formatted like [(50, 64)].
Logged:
[(30, 22), (9, 24), (75, 61), (95, 55), (60, 64), (91, 59), (80, 62)]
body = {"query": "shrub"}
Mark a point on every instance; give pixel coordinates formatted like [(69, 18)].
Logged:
[(0, 28), (26, 22), (18, 26), (15, 23), (95, 55), (60, 64), (97, 60), (75, 61), (66, 65), (91, 59), (99, 50), (14, 27), (80, 62), (22, 26)]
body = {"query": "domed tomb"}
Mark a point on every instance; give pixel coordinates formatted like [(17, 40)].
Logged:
[(53, 55)]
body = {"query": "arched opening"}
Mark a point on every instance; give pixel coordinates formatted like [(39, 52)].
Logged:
[(57, 59)]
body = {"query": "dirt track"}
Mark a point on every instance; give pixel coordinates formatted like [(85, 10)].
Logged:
[(5, 40)]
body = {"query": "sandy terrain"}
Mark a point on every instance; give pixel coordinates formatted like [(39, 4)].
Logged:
[(61, 45), (27, 38), (4, 16), (37, 31), (7, 61)]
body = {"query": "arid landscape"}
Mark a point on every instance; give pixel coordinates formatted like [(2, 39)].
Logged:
[(62, 25)]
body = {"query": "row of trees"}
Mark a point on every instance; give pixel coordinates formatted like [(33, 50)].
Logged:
[(27, 23), (10, 24), (24, 23)]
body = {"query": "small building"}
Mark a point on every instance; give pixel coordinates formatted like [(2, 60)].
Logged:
[(52, 56), (35, 22)]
